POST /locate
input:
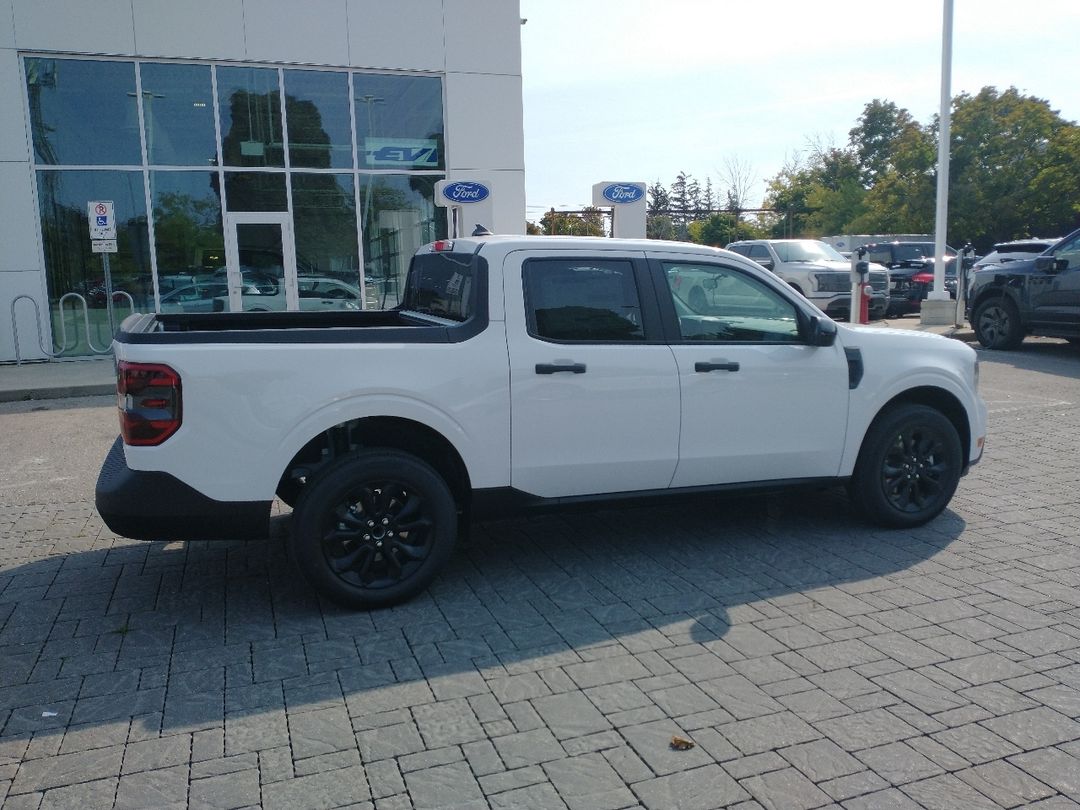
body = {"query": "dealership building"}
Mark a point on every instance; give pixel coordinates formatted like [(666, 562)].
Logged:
[(257, 154)]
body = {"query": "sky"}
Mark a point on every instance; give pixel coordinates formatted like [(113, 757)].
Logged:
[(639, 90)]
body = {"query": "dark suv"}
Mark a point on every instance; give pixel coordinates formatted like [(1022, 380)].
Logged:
[(1039, 296), (911, 271)]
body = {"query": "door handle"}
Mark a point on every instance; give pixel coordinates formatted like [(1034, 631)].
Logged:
[(554, 368), (722, 365)]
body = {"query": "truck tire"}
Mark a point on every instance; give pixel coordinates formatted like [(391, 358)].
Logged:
[(373, 528), (997, 325), (908, 467)]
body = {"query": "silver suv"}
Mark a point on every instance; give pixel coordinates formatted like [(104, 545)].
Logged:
[(817, 271)]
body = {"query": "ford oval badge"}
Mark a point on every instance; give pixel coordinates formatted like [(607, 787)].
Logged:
[(465, 191), (622, 193)]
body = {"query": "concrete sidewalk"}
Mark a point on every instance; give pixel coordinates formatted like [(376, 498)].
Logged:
[(95, 376)]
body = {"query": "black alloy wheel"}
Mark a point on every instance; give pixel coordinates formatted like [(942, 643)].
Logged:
[(908, 468), (373, 528), (997, 324)]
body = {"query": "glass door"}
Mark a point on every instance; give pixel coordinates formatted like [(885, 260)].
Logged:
[(261, 262)]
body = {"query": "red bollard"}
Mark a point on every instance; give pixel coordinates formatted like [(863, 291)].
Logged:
[(865, 291)]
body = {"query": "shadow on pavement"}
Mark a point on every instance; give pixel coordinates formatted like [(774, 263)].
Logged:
[(185, 637)]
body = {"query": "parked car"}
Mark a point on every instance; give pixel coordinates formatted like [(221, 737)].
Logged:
[(522, 373), (911, 273), (1035, 296), (1005, 252), (263, 294), (817, 271)]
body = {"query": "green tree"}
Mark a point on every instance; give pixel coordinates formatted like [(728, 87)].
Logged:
[(1001, 142), (590, 222), (874, 139), (658, 201), (659, 226)]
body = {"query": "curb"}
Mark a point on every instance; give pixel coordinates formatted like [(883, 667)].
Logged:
[(52, 392)]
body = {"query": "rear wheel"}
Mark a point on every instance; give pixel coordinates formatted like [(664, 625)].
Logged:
[(908, 467), (997, 324), (374, 528)]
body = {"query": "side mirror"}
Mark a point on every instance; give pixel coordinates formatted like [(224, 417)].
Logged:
[(766, 263), (709, 283), (822, 331), (1047, 264)]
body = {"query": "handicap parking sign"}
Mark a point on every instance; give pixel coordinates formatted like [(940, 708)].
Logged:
[(102, 219)]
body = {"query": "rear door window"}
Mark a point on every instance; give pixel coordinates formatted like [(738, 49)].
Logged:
[(583, 300)]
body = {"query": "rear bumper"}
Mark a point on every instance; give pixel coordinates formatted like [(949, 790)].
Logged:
[(147, 505)]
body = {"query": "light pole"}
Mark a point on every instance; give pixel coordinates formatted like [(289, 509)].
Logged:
[(937, 309)]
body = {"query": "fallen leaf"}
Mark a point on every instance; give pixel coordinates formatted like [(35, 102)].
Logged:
[(681, 743)]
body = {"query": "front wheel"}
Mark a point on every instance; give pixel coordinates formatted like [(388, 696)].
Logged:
[(908, 467), (374, 528), (996, 322)]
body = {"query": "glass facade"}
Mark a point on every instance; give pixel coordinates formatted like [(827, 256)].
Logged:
[(180, 147)]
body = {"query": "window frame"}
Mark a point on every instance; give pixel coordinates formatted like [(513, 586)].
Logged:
[(670, 319), (651, 322)]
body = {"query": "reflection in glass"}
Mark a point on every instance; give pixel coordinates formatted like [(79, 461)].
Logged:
[(262, 266), (250, 116), (399, 121), (399, 216), (255, 191), (324, 221), (178, 113), (70, 266), (187, 228), (317, 113), (83, 113)]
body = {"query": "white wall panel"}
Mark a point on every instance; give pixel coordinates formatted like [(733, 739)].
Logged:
[(7, 24), (18, 219), (314, 31), (100, 26), (484, 128), (26, 282), (405, 34), (13, 145), (210, 29), (482, 36), (508, 200)]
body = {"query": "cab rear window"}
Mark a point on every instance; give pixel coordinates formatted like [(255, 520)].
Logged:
[(442, 284)]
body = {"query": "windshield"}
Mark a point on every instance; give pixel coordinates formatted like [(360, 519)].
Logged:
[(806, 250), (912, 251)]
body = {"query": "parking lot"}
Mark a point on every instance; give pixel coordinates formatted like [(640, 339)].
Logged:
[(811, 661)]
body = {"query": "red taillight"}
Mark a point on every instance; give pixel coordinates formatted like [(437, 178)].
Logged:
[(923, 278), (443, 245), (148, 395)]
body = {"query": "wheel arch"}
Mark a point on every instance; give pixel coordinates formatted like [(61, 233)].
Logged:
[(994, 290), (390, 432), (940, 400)]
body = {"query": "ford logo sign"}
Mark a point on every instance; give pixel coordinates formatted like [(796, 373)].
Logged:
[(465, 192), (621, 193)]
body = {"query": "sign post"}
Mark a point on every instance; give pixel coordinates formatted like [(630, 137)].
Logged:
[(628, 212), (459, 194), (103, 240)]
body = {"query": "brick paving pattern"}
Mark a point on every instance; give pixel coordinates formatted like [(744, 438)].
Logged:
[(814, 662)]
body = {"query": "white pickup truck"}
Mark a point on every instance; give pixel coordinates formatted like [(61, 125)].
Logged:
[(522, 372)]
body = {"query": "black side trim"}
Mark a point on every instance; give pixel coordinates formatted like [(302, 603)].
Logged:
[(854, 367), (157, 506), (498, 502)]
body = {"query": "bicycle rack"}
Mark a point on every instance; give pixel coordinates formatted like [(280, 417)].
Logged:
[(63, 324)]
